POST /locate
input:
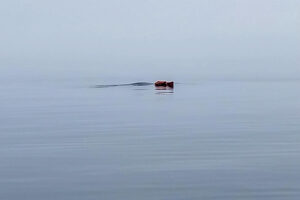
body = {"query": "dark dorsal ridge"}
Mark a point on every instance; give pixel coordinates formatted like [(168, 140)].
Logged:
[(126, 84)]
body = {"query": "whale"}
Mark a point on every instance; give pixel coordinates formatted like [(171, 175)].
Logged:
[(126, 84)]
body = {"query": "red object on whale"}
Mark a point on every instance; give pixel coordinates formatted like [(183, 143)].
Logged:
[(164, 84)]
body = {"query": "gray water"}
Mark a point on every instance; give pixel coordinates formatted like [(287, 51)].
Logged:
[(203, 140)]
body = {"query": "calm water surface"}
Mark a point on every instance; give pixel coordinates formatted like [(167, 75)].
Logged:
[(207, 140)]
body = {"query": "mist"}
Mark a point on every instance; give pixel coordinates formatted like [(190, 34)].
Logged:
[(180, 40)]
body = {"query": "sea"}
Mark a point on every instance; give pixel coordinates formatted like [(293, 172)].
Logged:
[(102, 140)]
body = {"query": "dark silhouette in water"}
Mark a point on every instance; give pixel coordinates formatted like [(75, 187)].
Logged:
[(127, 84)]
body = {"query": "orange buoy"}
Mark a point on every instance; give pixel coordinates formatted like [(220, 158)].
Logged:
[(161, 83), (164, 84), (170, 84)]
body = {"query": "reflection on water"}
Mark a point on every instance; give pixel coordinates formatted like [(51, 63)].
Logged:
[(218, 140), (164, 90)]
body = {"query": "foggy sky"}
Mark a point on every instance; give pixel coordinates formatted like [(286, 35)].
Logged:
[(197, 38)]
